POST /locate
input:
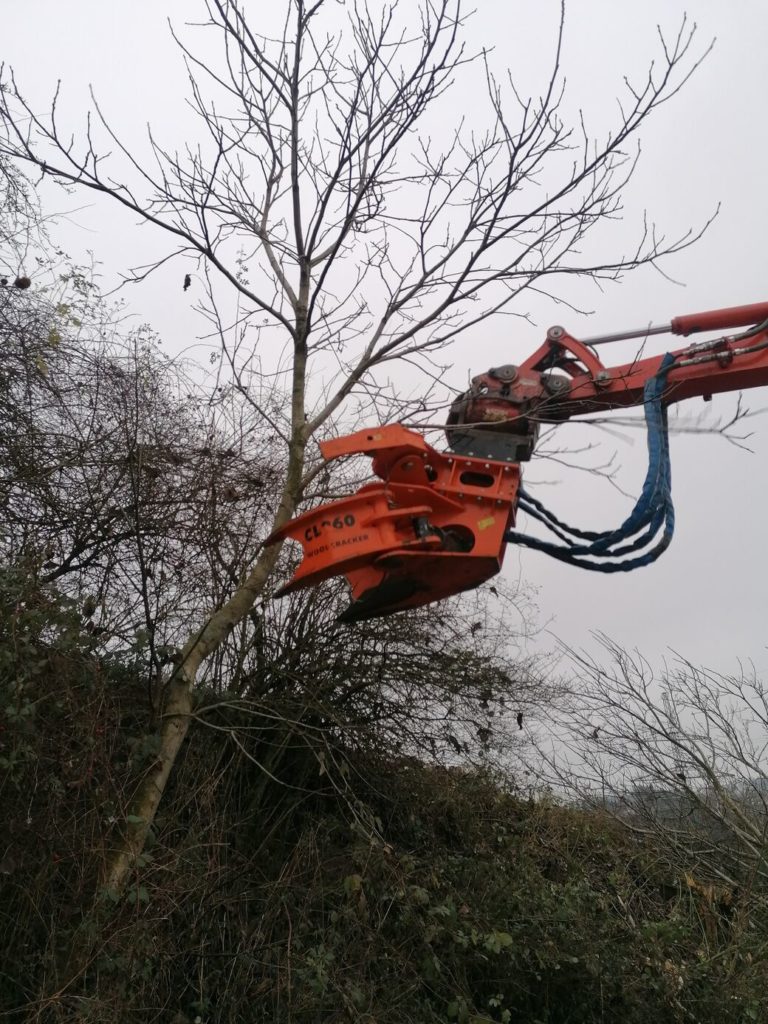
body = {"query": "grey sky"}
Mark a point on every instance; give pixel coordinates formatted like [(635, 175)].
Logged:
[(706, 596)]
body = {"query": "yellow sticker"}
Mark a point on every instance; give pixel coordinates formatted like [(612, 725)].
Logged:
[(483, 524)]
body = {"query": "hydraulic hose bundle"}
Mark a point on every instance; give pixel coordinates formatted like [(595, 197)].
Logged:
[(651, 520)]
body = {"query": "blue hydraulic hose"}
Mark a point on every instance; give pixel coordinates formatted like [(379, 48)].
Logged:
[(652, 515)]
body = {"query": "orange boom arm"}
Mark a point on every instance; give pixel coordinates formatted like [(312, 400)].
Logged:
[(434, 523)]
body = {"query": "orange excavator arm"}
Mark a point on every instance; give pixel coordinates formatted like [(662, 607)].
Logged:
[(436, 523), (566, 378)]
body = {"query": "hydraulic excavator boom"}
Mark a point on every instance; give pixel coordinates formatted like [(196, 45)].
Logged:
[(437, 523)]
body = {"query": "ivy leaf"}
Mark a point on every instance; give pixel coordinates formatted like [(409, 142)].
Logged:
[(352, 884)]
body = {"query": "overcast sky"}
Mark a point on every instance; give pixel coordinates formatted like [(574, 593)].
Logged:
[(706, 597)]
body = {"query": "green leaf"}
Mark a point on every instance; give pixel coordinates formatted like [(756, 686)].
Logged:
[(420, 895), (352, 884), (138, 895), (134, 819), (495, 941)]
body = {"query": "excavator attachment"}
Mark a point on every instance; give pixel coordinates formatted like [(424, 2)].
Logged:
[(431, 526), (436, 523)]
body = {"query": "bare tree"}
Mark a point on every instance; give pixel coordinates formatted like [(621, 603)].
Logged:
[(347, 233), (681, 754), (122, 482), (118, 481)]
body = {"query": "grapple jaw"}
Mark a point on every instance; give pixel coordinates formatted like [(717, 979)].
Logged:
[(432, 525)]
